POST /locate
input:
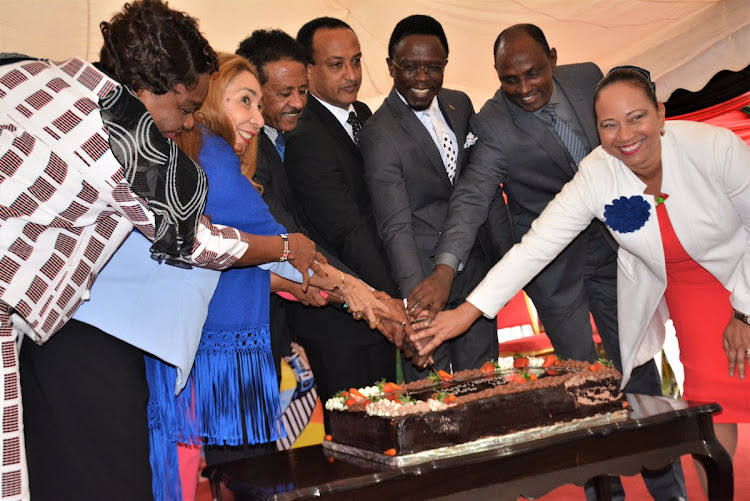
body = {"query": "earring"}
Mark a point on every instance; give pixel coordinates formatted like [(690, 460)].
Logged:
[(662, 132)]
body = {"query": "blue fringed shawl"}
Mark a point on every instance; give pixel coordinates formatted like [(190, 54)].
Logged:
[(234, 367), (235, 345)]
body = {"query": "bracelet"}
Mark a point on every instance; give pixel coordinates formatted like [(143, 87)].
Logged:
[(742, 317), (285, 254), (343, 282)]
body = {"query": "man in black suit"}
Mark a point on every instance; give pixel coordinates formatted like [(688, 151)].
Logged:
[(325, 172), (531, 136), (414, 149)]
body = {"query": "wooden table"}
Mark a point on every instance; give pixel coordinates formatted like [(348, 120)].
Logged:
[(658, 431)]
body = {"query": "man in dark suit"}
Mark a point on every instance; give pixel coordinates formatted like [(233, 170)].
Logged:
[(413, 149), (531, 136), (280, 62), (325, 172)]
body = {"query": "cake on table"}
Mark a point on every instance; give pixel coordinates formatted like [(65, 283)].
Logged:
[(526, 397)]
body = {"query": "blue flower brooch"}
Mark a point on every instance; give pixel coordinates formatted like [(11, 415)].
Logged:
[(627, 214)]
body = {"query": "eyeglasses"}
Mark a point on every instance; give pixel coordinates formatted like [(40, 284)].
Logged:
[(638, 69), (431, 70)]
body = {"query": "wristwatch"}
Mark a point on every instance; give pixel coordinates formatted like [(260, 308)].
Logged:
[(742, 317)]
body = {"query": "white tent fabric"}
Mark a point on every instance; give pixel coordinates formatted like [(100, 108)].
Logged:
[(682, 42)]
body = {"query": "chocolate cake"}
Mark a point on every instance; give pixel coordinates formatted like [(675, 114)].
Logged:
[(430, 414)]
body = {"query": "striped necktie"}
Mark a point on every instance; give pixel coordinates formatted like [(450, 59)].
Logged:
[(280, 145), (574, 145)]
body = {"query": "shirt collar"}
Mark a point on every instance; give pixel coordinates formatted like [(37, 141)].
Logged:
[(341, 114), (271, 133), (433, 105), (554, 100)]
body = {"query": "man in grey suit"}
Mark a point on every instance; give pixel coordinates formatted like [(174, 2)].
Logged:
[(531, 136), (413, 150)]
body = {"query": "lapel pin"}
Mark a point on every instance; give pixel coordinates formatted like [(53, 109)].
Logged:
[(451, 107)]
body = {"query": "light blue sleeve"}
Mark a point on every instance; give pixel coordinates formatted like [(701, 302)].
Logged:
[(284, 269), (153, 306)]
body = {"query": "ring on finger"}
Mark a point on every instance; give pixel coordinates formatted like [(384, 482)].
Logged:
[(747, 352)]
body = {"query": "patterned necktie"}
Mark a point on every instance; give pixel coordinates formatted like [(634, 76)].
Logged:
[(574, 145), (441, 130), (356, 126), (280, 145)]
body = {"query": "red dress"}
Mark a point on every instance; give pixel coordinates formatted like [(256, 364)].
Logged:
[(700, 310)]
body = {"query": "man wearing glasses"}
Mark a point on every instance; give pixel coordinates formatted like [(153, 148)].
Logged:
[(413, 148)]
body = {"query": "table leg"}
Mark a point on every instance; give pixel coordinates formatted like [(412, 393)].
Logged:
[(603, 488), (717, 463), (214, 481)]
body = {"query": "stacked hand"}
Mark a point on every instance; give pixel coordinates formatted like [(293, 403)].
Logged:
[(303, 256), (446, 325), (363, 302), (400, 331), (432, 293), (395, 324), (311, 297)]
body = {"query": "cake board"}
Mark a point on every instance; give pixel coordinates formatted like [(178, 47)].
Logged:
[(483, 444)]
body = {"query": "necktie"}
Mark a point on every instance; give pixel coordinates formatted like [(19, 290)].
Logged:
[(441, 130), (576, 149), (356, 126), (280, 145)]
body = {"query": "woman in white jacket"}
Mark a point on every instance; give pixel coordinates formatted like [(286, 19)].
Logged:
[(692, 264)]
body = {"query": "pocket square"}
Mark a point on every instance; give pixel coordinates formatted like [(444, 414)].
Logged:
[(470, 140)]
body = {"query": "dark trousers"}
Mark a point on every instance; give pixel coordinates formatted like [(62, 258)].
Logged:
[(85, 398), (468, 351)]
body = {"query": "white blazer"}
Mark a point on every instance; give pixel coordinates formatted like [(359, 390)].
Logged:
[(706, 173)]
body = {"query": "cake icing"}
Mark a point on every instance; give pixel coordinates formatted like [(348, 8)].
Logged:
[(471, 405)]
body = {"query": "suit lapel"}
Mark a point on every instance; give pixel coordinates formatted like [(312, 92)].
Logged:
[(332, 124), (581, 105), (414, 128), (278, 174), (529, 123)]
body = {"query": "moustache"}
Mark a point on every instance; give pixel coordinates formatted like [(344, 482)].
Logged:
[(292, 111)]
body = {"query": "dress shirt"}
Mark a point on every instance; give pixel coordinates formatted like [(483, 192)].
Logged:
[(341, 114), (424, 117), (271, 133)]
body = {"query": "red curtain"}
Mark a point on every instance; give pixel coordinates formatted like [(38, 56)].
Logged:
[(728, 114)]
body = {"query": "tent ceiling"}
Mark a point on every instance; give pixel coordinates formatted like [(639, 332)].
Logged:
[(682, 43)]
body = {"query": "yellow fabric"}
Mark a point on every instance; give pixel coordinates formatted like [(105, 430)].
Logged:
[(314, 431)]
